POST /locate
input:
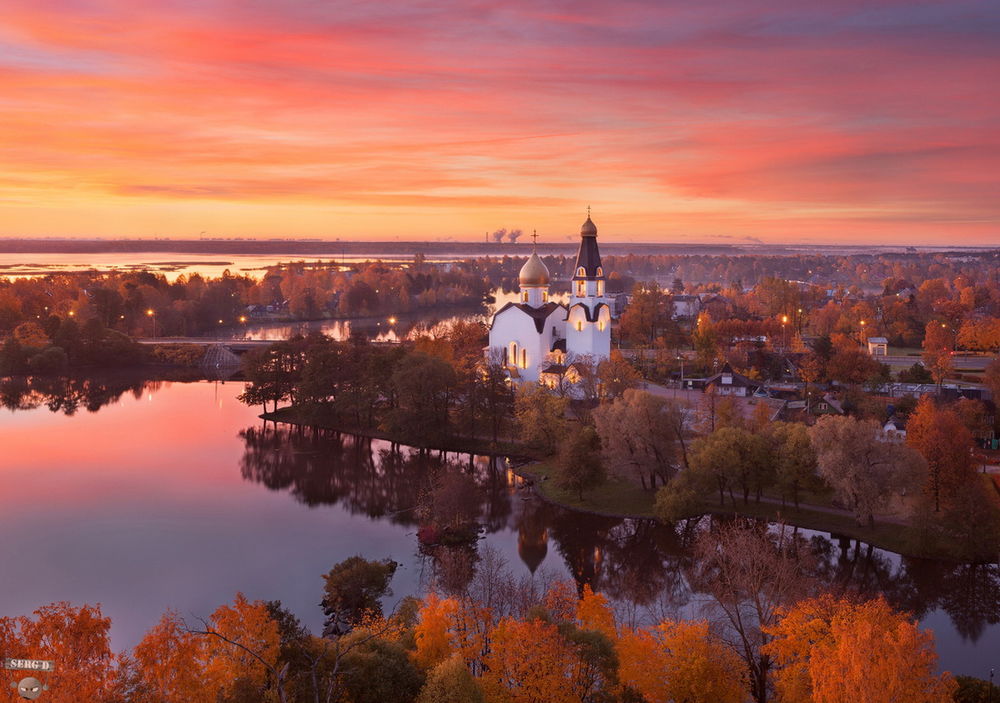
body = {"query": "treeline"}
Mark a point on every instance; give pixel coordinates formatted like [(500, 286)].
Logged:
[(769, 633), (54, 345), (428, 392), (147, 304)]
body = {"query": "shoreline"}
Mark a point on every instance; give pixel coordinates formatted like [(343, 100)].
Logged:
[(888, 536)]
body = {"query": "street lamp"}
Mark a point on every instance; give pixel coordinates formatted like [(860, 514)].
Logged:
[(862, 333), (152, 315), (784, 334)]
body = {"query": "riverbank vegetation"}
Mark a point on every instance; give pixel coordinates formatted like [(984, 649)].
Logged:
[(769, 630)]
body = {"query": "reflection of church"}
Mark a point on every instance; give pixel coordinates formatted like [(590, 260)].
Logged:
[(536, 333)]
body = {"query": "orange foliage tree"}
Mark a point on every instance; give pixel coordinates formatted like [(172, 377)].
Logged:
[(531, 662), (169, 666), (830, 650), (241, 647), (681, 661), (75, 639), (434, 631), (945, 443)]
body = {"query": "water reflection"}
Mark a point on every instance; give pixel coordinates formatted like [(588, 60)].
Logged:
[(639, 564), (67, 395)]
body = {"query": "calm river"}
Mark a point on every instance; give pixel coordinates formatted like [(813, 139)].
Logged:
[(146, 496)]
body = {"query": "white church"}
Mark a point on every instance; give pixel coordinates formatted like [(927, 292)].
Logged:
[(537, 335)]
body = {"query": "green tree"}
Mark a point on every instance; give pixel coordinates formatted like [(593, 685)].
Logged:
[(379, 671), (795, 459), (733, 457), (424, 387), (353, 589), (451, 682), (578, 465), (541, 416)]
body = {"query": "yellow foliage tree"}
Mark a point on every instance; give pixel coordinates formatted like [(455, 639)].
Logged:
[(680, 661), (831, 650)]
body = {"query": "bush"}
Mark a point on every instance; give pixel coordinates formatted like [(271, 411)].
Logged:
[(49, 362)]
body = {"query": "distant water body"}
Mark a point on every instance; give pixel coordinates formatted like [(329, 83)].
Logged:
[(25, 258)]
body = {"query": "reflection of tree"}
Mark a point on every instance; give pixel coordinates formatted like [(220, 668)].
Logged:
[(68, 394), (972, 598), (371, 477)]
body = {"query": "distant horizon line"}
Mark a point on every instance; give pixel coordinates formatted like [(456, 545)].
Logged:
[(566, 240)]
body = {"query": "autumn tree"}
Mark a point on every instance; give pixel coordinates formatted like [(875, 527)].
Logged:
[(541, 416), (642, 437), (863, 471), (170, 663), (241, 644), (433, 631), (616, 376), (945, 443), (750, 571), (353, 589), (76, 639), (649, 310), (830, 650), (532, 661), (681, 661), (938, 346)]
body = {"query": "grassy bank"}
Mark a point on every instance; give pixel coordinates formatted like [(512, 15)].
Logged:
[(313, 417), (618, 498)]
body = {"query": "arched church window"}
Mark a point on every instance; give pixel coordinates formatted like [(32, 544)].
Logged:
[(581, 271), (600, 325), (600, 287), (545, 296), (581, 289), (524, 296), (524, 358), (513, 353), (579, 325), (600, 272)]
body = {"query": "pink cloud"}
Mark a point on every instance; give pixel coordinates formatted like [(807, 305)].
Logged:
[(751, 117)]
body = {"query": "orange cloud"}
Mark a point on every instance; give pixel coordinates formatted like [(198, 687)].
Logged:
[(854, 121)]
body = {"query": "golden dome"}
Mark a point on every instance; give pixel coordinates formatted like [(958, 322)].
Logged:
[(589, 229), (534, 272)]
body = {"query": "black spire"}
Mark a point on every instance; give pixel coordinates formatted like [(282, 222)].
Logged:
[(589, 256)]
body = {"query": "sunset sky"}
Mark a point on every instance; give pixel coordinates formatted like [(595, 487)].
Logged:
[(774, 120)]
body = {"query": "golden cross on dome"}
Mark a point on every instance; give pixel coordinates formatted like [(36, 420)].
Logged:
[(588, 212), (534, 237)]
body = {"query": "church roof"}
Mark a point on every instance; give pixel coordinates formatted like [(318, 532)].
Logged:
[(534, 272), (589, 256), (592, 315), (539, 315)]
